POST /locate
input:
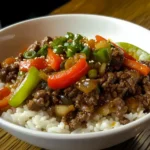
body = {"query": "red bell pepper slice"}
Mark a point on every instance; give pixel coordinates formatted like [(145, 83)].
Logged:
[(39, 63), (143, 69), (126, 55), (99, 38), (4, 96), (68, 77), (53, 60), (4, 102), (4, 92)]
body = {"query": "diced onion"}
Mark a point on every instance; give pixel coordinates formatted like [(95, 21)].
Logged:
[(102, 44), (104, 110), (87, 86), (63, 110), (102, 69)]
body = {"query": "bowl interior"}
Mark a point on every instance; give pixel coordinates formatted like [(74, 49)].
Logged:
[(18, 36)]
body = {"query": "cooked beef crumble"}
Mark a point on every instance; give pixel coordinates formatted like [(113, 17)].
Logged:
[(9, 72)]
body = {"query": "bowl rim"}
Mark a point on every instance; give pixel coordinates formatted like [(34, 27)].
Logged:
[(113, 131), (73, 15)]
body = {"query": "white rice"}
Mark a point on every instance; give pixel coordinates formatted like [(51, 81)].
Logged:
[(42, 122)]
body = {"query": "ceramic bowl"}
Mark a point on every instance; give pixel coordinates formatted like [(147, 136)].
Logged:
[(20, 35)]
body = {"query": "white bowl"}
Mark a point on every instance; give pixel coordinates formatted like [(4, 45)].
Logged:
[(20, 35)]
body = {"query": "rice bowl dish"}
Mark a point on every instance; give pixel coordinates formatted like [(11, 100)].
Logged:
[(18, 37), (75, 85)]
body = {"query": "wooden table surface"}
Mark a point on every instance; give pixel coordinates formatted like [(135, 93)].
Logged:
[(137, 11)]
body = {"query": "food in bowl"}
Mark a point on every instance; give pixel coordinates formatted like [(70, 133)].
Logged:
[(72, 84)]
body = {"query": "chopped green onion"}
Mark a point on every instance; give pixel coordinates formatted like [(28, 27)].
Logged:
[(86, 50), (70, 52), (43, 51), (70, 35), (58, 49), (78, 37), (29, 54), (92, 73), (79, 46), (58, 41)]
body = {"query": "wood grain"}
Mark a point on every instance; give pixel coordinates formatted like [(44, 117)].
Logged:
[(137, 11)]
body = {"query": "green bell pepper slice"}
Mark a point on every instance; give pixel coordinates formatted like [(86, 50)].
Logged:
[(134, 51), (102, 55), (25, 88)]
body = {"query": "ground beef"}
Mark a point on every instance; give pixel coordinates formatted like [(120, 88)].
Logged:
[(144, 101), (146, 84), (119, 84), (91, 98), (80, 120), (20, 57), (41, 100), (124, 120), (84, 104), (9, 72), (71, 92), (48, 70), (43, 97), (107, 79), (56, 97), (117, 107), (34, 47), (32, 105), (42, 86), (46, 40), (117, 58), (146, 63), (51, 111), (141, 99), (46, 100), (138, 102), (79, 98)]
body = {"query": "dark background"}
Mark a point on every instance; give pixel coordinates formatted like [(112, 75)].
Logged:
[(14, 11)]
